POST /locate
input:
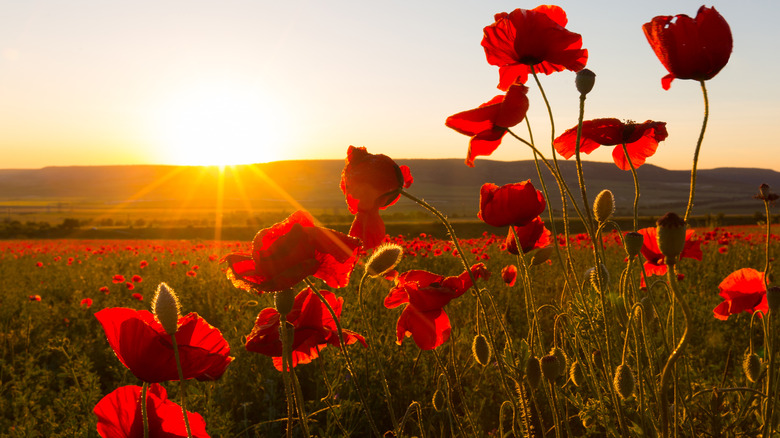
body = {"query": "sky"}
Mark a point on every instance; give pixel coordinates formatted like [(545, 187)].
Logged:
[(94, 82)]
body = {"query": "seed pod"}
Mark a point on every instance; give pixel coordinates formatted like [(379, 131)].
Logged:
[(584, 81), (284, 301), (481, 350), (670, 231), (533, 372), (752, 366), (576, 373), (438, 400), (165, 306), (624, 381), (550, 367), (604, 206), (563, 361), (384, 258), (633, 242)]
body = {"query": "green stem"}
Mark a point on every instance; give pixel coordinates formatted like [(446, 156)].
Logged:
[(449, 395), (182, 383), (286, 367), (636, 188), (580, 173), (766, 248), (144, 414), (696, 153)]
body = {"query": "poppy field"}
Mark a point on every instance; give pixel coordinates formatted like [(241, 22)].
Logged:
[(301, 330)]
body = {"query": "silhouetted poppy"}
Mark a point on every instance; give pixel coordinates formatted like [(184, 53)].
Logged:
[(641, 139), (690, 48), (426, 293), (143, 346), (138, 296), (511, 204), (531, 236), (656, 263), (371, 182), (532, 37), (119, 415), (313, 325), (742, 291), (289, 251), (509, 275), (487, 124), (137, 278)]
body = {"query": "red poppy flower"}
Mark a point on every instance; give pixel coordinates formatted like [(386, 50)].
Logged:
[(119, 415), (39, 264), (130, 286), (138, 296), (690, 48), (143, 264), (371, 182), (487, 124), (86, 302), (314, 329), (641, 140), (531, 236), (512, 204), (118, 279), (743, 290), (655, 264), (291, 250), (191, 273), (509, 275), (104, 289), (143, 346), (137, 278), (536, 37), (34, 298), (426, 294)]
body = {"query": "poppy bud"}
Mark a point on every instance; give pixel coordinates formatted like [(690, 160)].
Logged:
[(165, 306), (533, 372), (593, 276), (647, 310), (384, 258), (438, 401), (624, 381), (284, 300), (763, 191), (597, 360), (550, 367), (751, 365), (576, 374), (773, 299), (633, 242), (562, 360), (670, 230), (481, 350), (542, 255), (604, 206), (584, 81)]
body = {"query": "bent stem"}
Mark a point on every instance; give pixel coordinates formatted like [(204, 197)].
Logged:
[(636, 187), (347, 358), (666, 373), (696, 153), (183, 388)]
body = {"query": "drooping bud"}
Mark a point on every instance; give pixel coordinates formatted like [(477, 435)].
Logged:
[(670, 230), (533, 372), (624, 381), (284, 301), (773, 299), (584, 81), (598, 362), (647, 310), (751, 365), (550, 367), (166, 308), (438, 400), (576, 374), (481, 350), (633, 242), (563, 367), (598, 277), (384, 258), (542, 255), (604, 206)]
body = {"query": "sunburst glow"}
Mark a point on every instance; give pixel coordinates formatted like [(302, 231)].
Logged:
[(217, 125)]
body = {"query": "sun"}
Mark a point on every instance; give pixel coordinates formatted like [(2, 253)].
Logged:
[(217, 125)]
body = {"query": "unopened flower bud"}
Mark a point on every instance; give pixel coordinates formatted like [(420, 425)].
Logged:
[(384, 258), (576, 374), (604, 206), (533, 372), (166, 307), (624, 381), (284, 300), (438, 400), (542, 255), (599, 278), (751, 365), (773, 299), (481, 350), (585, 80), (670, 230), (563, 368), (633, 242), (550, 367)]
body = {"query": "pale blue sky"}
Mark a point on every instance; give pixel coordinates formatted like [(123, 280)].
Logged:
[(104, 82)]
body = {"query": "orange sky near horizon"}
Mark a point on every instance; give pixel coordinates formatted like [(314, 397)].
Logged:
[(95, 83)]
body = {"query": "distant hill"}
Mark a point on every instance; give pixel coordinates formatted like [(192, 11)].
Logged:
[(446, 183)]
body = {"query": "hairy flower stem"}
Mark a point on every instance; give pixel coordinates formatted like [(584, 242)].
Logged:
[(144, 414), (666, 373), (287, 385), (347, 359), (766, 247), (182, 387), (696, 153), (453, 415), (636, 188), (580, 173), (375, 357)]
